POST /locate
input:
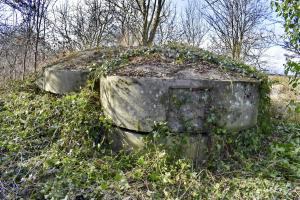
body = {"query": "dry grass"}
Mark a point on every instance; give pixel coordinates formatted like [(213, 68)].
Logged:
[(281, 95)]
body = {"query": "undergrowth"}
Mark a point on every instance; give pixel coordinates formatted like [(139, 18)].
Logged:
[(55, 147), (176, 53)]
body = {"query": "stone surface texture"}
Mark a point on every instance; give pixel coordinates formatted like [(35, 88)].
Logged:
[(192, 147), (62, 81), (135, 103), (70, 73)]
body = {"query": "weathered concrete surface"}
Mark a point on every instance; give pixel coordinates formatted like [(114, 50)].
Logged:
[(193, 147), (62, 81), (135, 103), (70, 73), (127, 140)]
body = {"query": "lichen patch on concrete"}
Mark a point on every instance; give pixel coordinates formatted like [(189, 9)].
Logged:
[(176, 71)]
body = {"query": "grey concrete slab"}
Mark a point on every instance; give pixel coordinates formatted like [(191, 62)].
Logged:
[(135, 103), (62, 81), (192, 147)]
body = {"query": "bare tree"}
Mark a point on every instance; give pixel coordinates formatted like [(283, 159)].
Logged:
[(168, 29), (238, 26), (84, 26), (62, 27), (151, 12), (93, 21), (126, 22), (139, 20), (40, 15), (10, 48), (193, 24), (25, 8), (2, 17), (24, 30)]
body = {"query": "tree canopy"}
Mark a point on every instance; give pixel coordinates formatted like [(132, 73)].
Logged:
[(290, 11)]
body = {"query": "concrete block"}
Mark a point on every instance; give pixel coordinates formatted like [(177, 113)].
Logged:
[(192, 147), (135, 103), (62, 81)]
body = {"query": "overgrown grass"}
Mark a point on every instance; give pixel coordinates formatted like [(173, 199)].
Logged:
[(55, 147), (284, 99)]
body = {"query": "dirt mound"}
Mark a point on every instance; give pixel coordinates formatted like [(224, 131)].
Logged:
[(202, 70), (164, 62), (84, 59)]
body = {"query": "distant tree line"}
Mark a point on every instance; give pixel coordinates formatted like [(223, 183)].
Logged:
[(32, 31)]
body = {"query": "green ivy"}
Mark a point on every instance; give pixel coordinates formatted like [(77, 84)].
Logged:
[(55, 147), (289, 10)]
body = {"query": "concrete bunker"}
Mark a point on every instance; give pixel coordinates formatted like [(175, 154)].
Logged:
[(184, 96), (62, 81), (188, 96), (70, 73)]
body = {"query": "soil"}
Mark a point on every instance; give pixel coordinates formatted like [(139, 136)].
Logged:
[(156, 65), (202, 70), (83, 59)]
